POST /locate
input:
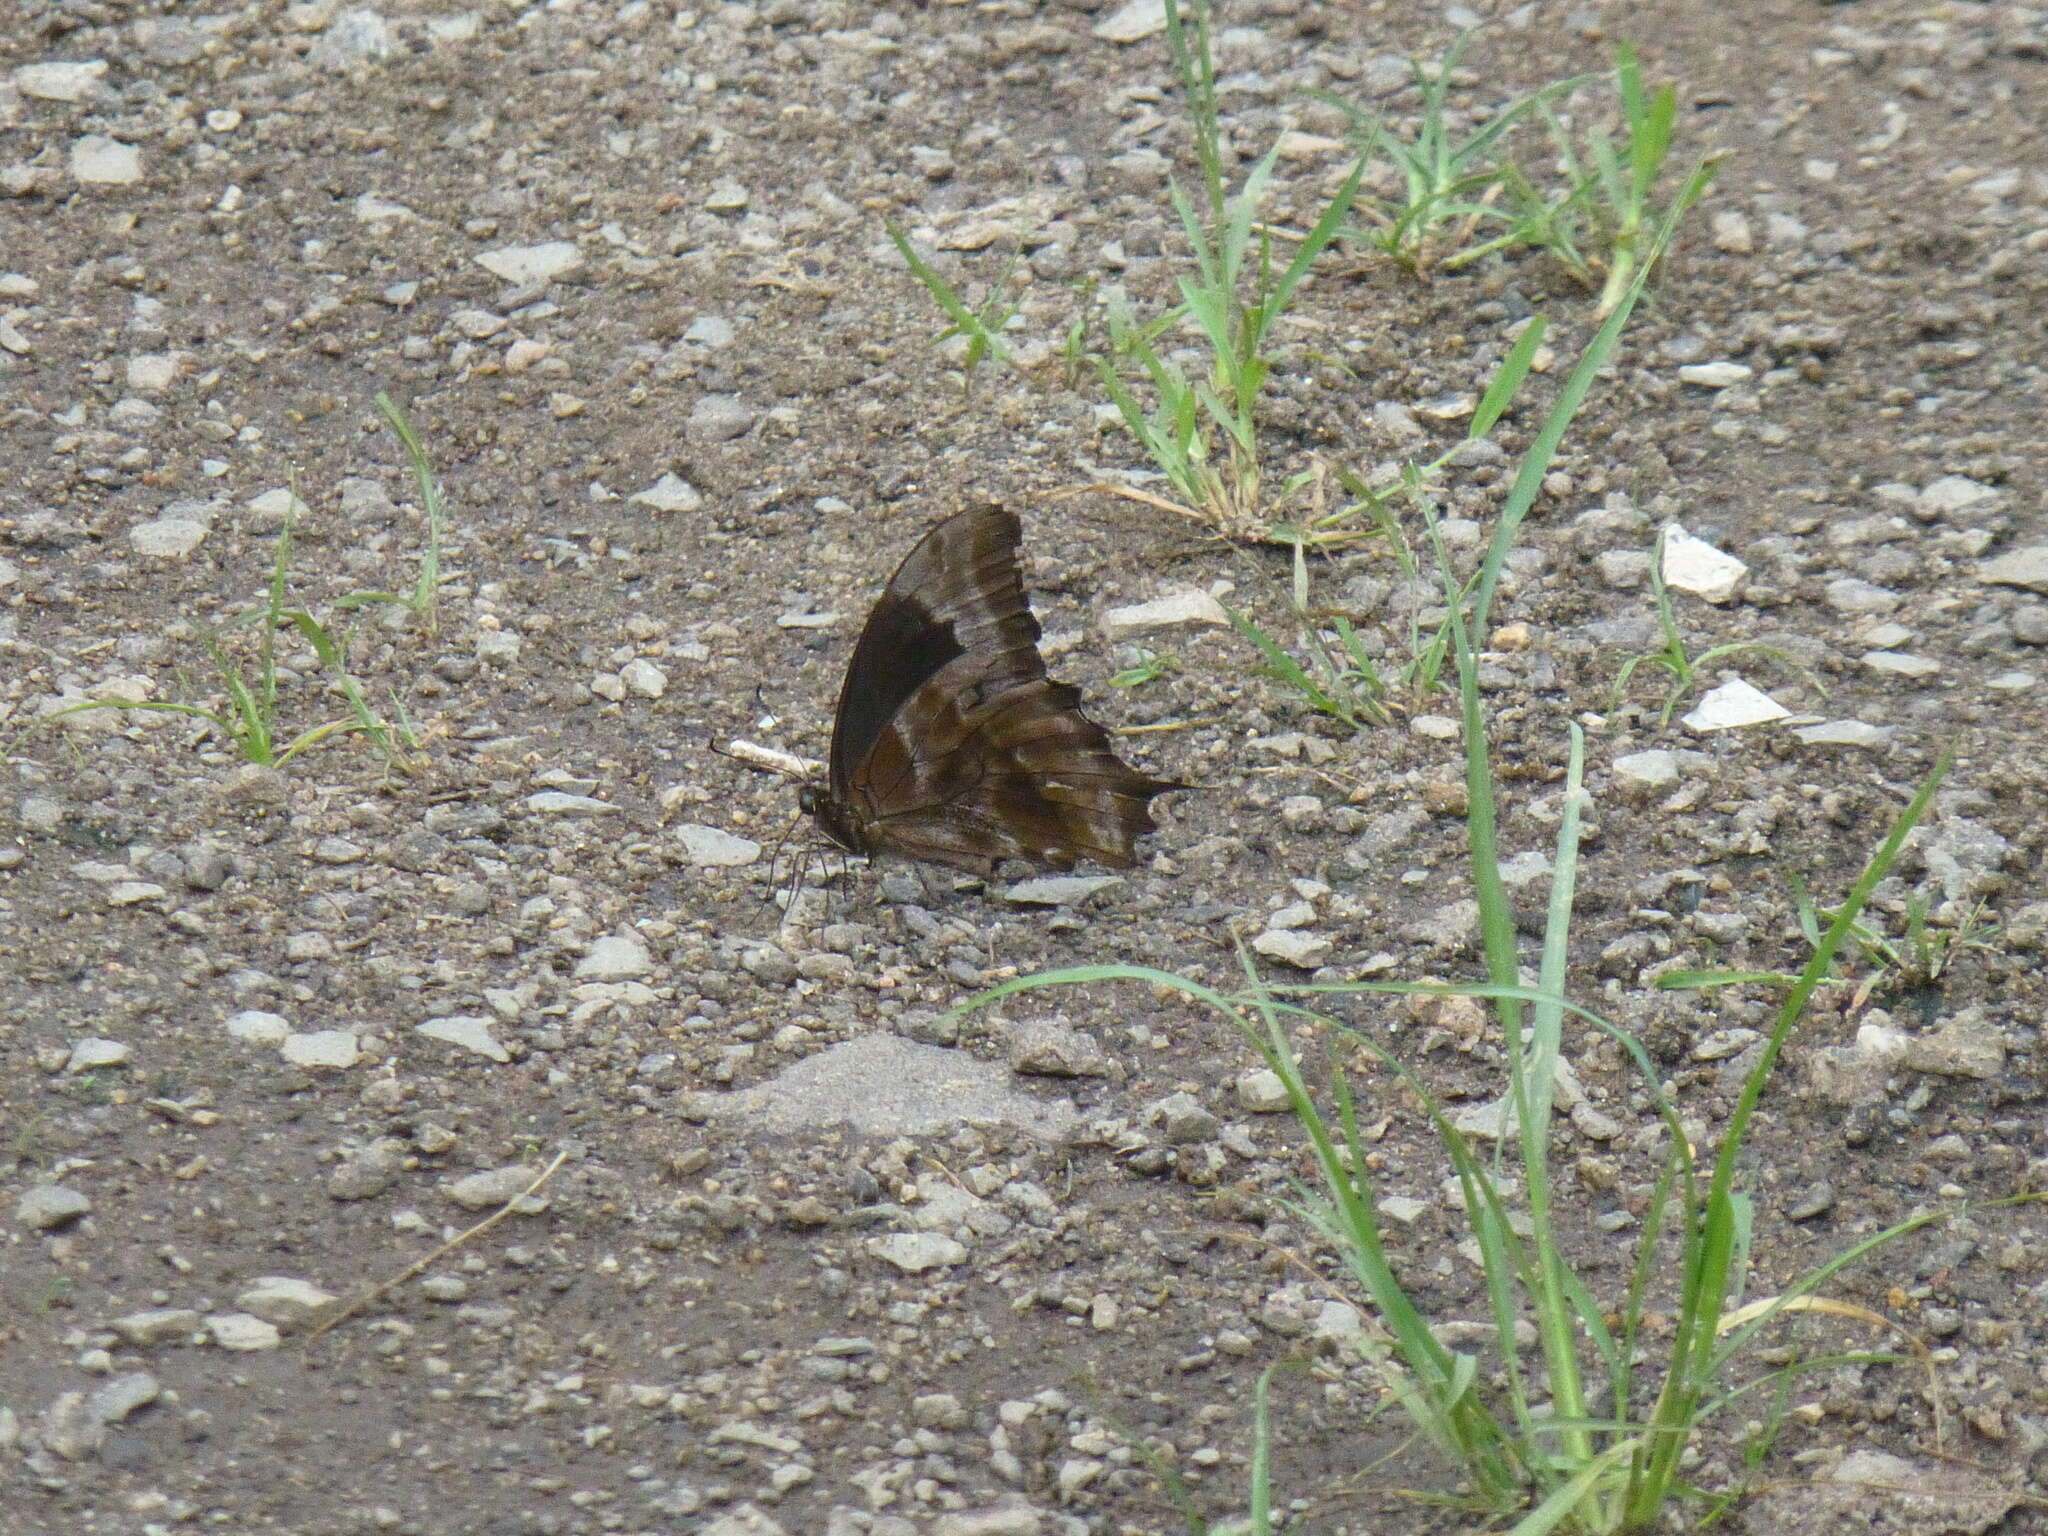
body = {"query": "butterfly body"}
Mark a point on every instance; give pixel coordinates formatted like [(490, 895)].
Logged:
[(950, 742)]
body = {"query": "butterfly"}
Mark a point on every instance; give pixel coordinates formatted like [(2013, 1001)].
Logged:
[(951, 744)]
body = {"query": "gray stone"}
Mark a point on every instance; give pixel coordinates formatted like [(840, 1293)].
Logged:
[(1183, 1120), (167, 538), (1695, 566), (495, 1186), (45, 1207), (615, 957), (1967, 1045), (1045, 1048), (884, 1085), (2026, 567), (523, 264), (555, 802), (1174, 610), (468, 1031), (1294, 946), (157, 1325), (1715, 375), (284, 1301), (715, 848), (1059, 890), (329, 1049), (1733, 705), (916, 1252), (1132, 22), (90, 1055), (73, 82), (1852, 595), (242, 1331), (671, 493), (101, 161), (718, 419), (253, 1026), (1844, 733), (1262, 1092)]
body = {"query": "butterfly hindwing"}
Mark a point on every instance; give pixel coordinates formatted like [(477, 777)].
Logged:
[(951, 744)]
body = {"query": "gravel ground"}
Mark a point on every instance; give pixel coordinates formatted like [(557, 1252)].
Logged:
[(819, 1256)]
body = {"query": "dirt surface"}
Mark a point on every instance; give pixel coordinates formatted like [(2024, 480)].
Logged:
[(221, 239)]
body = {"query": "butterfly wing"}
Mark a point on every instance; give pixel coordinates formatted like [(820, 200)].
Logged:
[(1001, 768), (951, 744), (958, 591)]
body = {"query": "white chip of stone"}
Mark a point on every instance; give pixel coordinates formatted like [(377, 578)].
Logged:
[(273, 506), (1732, 705), (1955, 493), (560, 803), (12, 340), (1716, 375), (715, 847), (285, 1301), (61, 82), (1653, 770), (709, 331), (330, 1048), (1132, 22), (615, 957), (1164, 613), (532, 263), (166, 538), (133, 893), (90, 1053), (1852, 594), (2012, 682), (371, 209), (1058, 890), (151, 373), (1902, 663), (2025, 567), (242, 1331), (105, 162), (1294, 946), (468, 1031), (495, 1186), (1843, 733), (915, 1252), (1262, 1092), (255, 1027), (644, 678), (1693, 565), (671, 493)]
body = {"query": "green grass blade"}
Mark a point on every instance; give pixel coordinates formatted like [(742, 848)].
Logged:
[(426, 593), (1507, 379)]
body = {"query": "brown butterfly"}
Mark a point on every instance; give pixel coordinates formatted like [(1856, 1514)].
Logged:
[(951, 744)]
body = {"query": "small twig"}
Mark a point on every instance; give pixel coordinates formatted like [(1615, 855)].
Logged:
[(788, 764), (1161, 727), (439, 1253), (1128, 494)]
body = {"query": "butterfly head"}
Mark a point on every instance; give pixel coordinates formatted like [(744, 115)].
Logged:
[(816, 802)]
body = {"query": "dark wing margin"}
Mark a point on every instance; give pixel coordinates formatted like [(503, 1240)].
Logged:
[(959, 590)]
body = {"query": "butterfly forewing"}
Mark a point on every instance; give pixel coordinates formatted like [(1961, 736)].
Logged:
[(951, 743), (958, 590)]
